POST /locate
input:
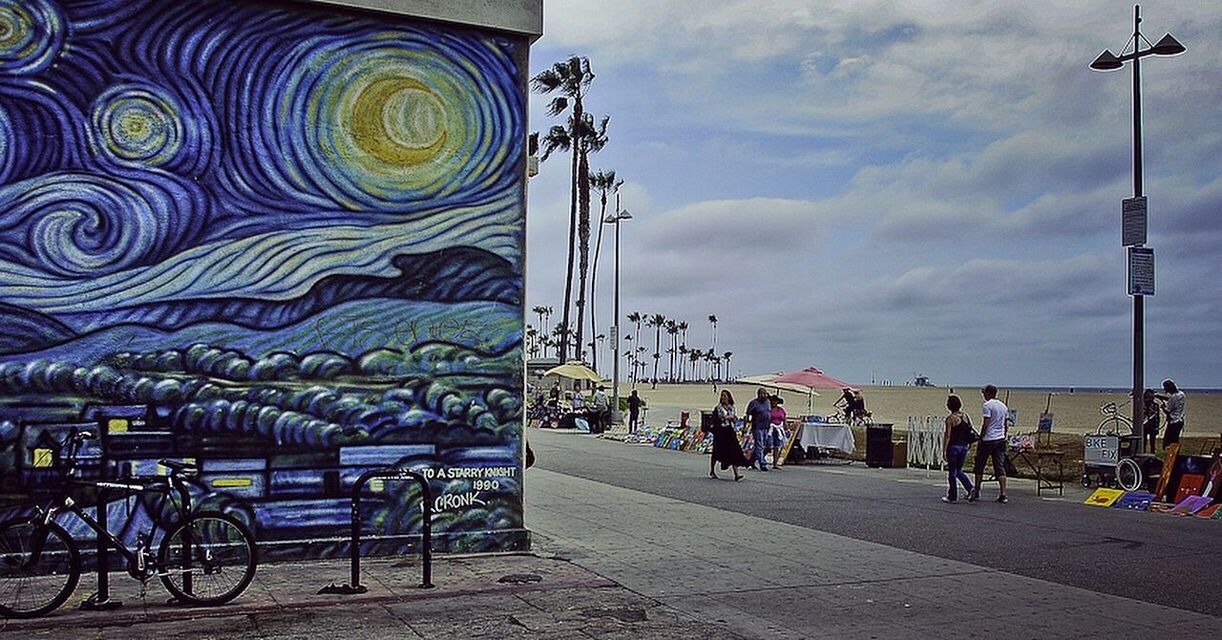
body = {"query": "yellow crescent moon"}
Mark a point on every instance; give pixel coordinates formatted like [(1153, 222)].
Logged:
[(369, 124)]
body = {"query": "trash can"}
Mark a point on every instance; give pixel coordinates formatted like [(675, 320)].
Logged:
[(879, 449), (899, 454)]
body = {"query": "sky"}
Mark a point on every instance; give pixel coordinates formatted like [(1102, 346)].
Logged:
[(885, 188)]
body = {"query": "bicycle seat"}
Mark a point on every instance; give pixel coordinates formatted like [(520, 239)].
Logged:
[(180, 468)]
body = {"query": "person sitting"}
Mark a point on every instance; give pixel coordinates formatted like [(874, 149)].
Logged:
[(857, 408), (846, 404)]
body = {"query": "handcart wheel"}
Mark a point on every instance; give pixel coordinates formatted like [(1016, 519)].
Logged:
[(1128, 474), (1086, 481)]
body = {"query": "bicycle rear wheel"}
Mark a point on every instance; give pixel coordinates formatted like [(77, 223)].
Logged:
[(208, 560), (1128, 474), (39, 568)]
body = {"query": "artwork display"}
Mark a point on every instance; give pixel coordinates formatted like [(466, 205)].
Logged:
[(1103, 497), (280, 240)]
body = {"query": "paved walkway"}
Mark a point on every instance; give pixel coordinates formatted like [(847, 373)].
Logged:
[(488, 596), (765, 579)]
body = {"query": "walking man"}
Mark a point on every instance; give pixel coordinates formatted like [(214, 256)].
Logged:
[(992, 443), (634, 411), (759, 416)]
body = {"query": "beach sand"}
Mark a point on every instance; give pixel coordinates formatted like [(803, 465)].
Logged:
[(1074, 413)]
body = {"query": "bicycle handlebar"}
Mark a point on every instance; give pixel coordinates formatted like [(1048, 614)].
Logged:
[(72, 446)]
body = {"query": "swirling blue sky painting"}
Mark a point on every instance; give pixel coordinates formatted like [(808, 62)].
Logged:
[(289, 227)]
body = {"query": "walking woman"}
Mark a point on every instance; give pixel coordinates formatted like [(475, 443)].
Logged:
[(956, 440), (726, 448)]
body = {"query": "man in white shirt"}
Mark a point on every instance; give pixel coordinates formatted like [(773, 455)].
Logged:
[(992, 443), (1173, 406)]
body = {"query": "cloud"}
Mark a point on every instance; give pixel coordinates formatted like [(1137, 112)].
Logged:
[(892, 187)]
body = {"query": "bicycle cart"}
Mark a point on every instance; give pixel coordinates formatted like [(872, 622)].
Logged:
[(1109, 460)]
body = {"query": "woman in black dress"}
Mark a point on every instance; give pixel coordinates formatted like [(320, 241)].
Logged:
[(726, 448)]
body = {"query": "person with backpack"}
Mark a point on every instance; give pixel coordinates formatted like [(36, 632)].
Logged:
[(956, 440)]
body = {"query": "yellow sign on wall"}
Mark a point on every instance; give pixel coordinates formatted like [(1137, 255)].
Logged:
[(116, 425), (44, 458)]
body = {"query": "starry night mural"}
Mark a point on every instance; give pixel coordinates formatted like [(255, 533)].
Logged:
[(279, 239)]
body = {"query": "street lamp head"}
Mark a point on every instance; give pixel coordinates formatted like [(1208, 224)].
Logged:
[(624, 215), (1168, 46), (1107, 61)]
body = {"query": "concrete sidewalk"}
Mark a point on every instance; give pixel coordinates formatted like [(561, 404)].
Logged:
[(765, 579), (484, 596)]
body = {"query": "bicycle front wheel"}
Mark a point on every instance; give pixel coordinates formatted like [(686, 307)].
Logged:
[(208, 560), (39, 568)]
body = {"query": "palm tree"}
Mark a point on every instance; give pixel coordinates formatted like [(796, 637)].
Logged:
[(591, 138), (726, 357), (683, 351), (694, 356), (532, 341), (637, 317), (682, 326), (570, 79), (605, 183), (558, 334), (542, 312), (713, 321), (657, 321), (672, 330), (630, 353)]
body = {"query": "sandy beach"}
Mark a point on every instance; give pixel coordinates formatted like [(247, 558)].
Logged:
[(1073, 412)]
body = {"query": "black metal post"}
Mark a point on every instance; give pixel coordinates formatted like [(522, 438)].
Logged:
[(1139, 364), (426, 496), (100, 600)]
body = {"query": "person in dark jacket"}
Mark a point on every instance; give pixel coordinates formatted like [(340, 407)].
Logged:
[(956, 440)]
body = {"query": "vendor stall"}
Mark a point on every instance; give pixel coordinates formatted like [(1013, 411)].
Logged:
[(826, 435)]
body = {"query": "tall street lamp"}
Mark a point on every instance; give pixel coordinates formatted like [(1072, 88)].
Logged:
[(1141, 259), (616, 219)]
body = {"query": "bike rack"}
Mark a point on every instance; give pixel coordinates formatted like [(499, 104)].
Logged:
[(100, 599), (355, 586)]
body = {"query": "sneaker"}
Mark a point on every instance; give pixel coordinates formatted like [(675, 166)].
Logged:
[(973, 496), (948, 500), (763, 468), (1002, 499)]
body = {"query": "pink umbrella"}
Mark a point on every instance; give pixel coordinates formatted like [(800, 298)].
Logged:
[(814, 379)]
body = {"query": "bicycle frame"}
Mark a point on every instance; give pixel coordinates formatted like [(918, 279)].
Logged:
[(64, 502)]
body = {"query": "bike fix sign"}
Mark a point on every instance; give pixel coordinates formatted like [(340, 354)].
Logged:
[(1101, 450)]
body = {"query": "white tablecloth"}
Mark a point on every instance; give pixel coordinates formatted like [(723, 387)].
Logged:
[(827, 436)]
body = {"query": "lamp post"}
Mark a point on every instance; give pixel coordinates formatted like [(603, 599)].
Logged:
[(616, 219), (1107, 61)]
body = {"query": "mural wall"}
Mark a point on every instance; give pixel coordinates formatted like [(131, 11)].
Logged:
[(280, 240)]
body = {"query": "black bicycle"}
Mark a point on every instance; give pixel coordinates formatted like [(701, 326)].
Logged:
[(204, 558)]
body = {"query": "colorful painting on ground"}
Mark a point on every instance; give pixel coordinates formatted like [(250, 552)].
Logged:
[(281, 240), (1103, 497)]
